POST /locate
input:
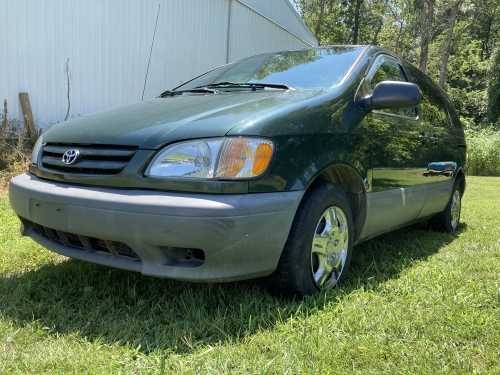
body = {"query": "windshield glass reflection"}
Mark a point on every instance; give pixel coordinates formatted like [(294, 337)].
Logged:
[(307, 69)]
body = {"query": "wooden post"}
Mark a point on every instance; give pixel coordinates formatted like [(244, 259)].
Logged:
[(29, 123)]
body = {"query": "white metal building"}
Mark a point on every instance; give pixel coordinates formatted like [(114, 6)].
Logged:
[(107, 44)]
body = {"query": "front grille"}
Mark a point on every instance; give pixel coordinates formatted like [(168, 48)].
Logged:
[(92, 159), (84, 243)]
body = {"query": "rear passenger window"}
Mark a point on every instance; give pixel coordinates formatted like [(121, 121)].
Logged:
[(434, 115)]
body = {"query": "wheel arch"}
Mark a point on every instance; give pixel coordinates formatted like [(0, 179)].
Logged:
[(460, 179), (348, 178)]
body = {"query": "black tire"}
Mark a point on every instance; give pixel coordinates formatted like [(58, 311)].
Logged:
[(444, 221), (294, 275)]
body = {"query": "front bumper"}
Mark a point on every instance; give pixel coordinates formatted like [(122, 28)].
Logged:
[(241, 236)]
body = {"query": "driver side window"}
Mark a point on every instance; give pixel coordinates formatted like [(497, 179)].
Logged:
[(387, 71), (386, 68)]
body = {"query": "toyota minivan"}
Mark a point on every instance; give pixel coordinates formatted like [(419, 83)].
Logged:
[(276, 165)]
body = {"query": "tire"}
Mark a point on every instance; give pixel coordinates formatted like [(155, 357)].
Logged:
[(449, 219), (301, 261)]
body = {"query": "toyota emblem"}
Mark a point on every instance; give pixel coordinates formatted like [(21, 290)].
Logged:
[(70, 156)]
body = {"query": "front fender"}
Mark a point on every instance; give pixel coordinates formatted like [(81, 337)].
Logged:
[(300, 159)]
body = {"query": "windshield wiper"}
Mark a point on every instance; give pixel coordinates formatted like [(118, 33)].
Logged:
[(251, 85), (196, 90), (209, 89)]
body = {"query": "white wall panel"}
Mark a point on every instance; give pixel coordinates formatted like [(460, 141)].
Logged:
[(190, 40), (108, 41), (106, 49)]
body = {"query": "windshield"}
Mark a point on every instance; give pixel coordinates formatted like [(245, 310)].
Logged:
[(306, 69)]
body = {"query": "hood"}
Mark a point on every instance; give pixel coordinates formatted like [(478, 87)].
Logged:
[(154, 123)]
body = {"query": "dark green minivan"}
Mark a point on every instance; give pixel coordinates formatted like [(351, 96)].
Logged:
[(275, 165)]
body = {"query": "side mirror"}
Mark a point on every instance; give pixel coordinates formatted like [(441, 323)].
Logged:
[(393, 94)]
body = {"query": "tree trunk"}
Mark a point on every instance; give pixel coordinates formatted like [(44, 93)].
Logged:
[(377, 32), (357, 16), (485, 51), (319, 24), (448, 42), (397, 43), (427, 20)]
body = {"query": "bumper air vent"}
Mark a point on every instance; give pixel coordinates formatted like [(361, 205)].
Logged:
[(84, 243)]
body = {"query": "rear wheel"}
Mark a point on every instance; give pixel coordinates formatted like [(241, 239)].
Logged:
[(449, 219), (318, 250)]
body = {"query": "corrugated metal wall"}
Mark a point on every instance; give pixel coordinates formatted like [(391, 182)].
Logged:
[(108, 42)]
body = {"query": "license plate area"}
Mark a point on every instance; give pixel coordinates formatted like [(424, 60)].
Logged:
[(52, 215)]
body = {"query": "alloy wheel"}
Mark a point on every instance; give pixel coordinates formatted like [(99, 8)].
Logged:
[(329, 247)]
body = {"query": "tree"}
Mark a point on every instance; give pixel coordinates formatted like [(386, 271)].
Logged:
[(357, 15), (494, 91), (427, 8), (448, 42), (319, 23), (451, 40)]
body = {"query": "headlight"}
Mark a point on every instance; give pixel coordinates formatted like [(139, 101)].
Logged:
[(220, 158), (36, 150)]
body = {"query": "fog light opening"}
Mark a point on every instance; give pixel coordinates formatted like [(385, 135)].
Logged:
[(183, 257)]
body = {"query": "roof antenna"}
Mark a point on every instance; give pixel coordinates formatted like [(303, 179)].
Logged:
[(150, 52)]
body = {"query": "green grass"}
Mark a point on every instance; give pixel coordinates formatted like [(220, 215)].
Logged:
[(416, 302)]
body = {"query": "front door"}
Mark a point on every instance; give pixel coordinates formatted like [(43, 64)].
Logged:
[(396, 193)]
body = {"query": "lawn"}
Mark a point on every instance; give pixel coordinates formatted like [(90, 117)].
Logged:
[(416, 302)]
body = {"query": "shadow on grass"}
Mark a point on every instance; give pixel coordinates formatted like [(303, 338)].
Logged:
[(121, 307)]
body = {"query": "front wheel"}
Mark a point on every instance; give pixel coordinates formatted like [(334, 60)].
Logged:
[(319, 247)]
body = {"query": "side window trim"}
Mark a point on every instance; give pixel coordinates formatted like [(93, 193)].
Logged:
[(377, 62), (370, 73)]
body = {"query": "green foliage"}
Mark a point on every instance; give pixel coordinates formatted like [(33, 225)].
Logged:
[(483, 152), (494, 91), (467, 81), (15, 153), (332, 21)]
